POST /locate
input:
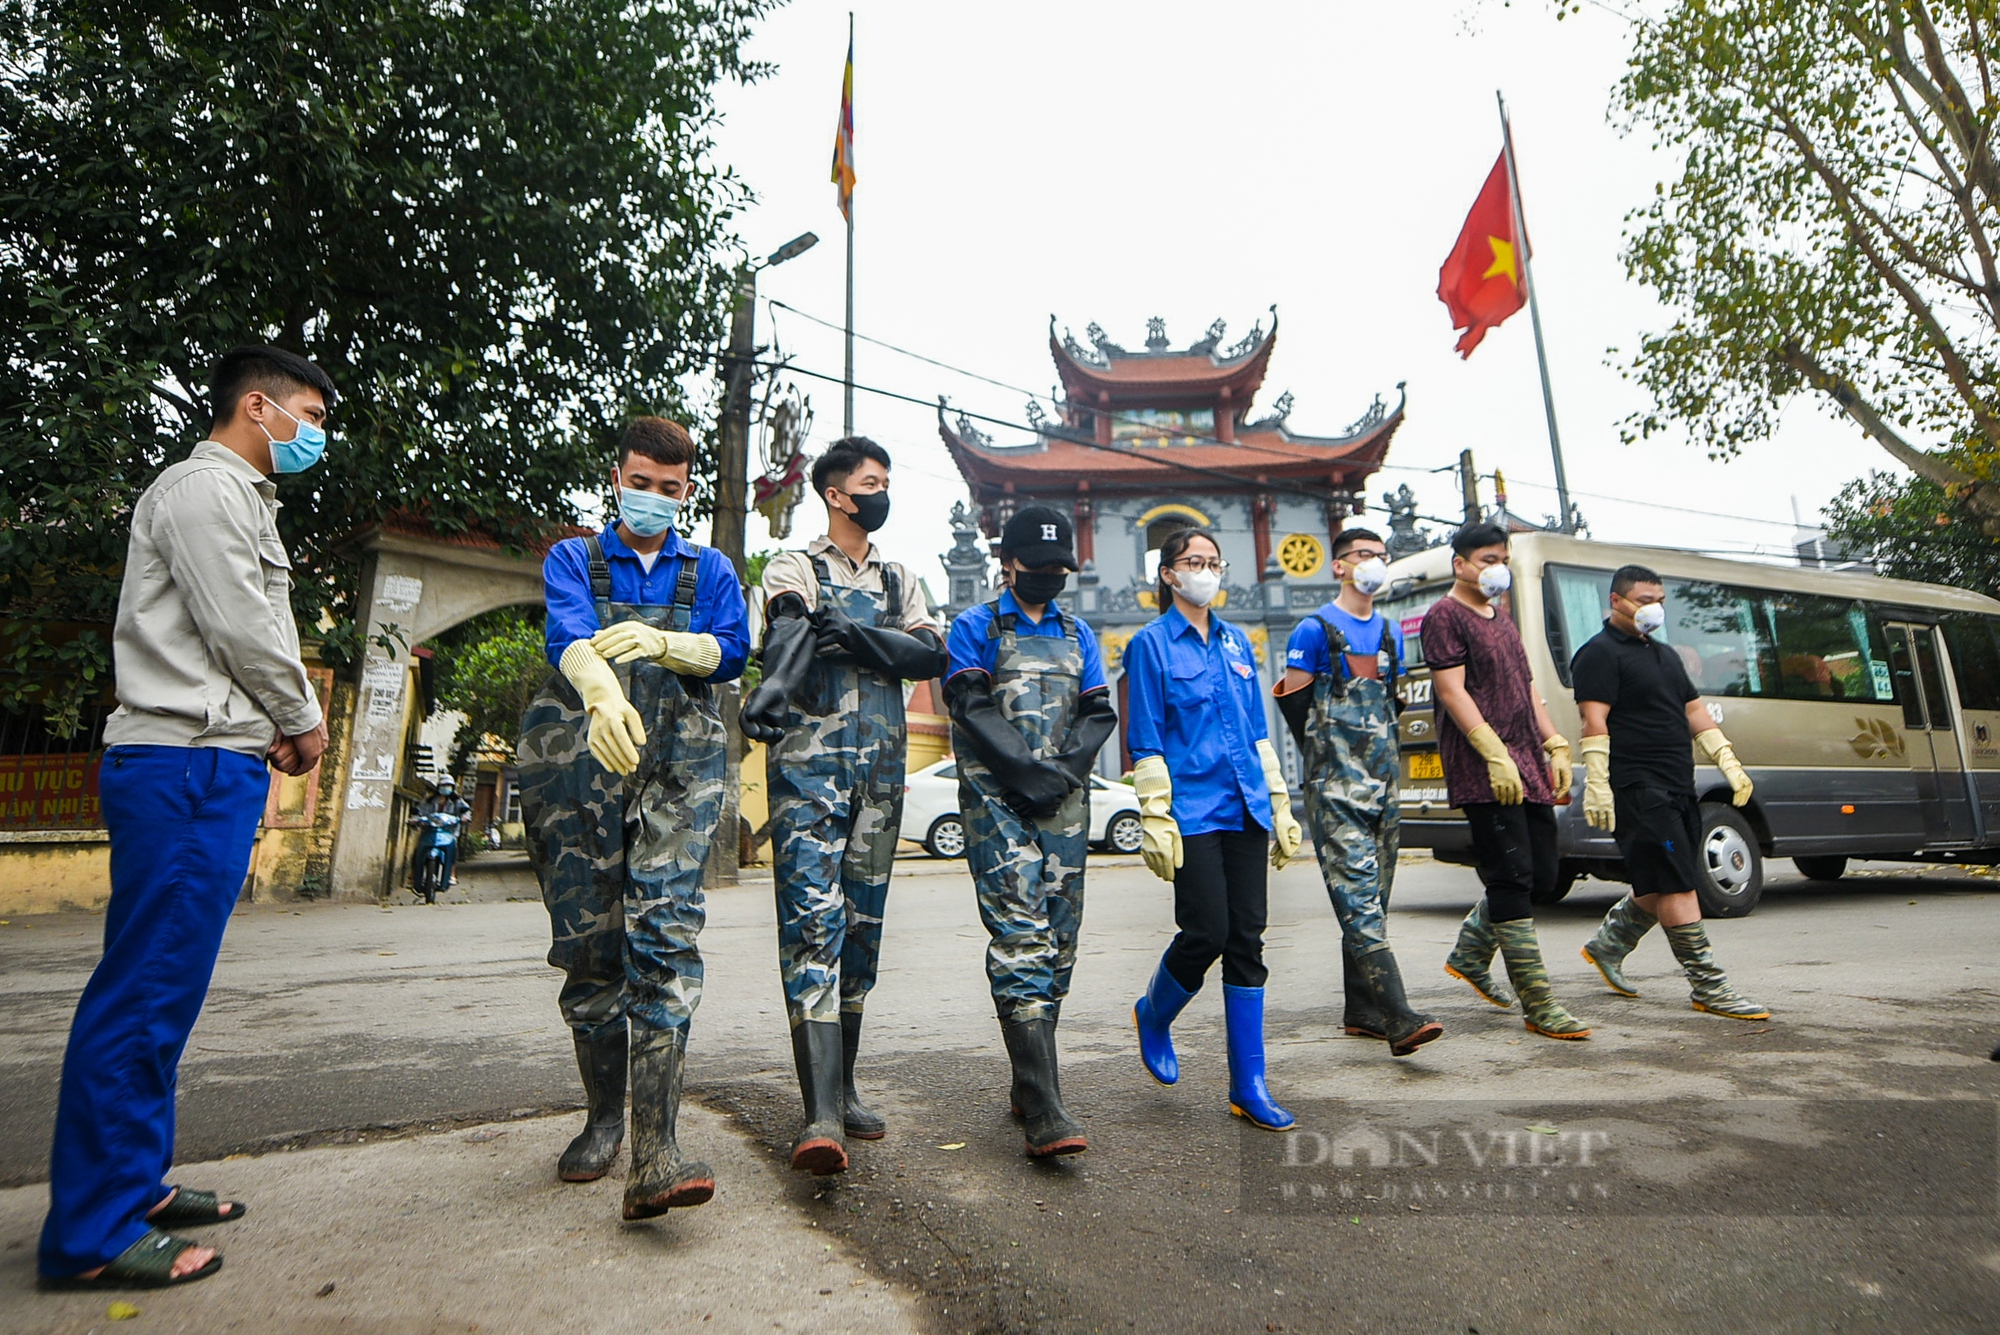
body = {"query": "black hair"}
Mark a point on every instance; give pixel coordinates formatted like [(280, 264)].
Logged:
[(655, 438), (1171, 551), (1476, 535), (1624, 577), (267, 370), (1344, 542), (839, 460)]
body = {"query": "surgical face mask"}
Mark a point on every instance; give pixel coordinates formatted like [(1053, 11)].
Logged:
[(871, 509), (1199, 586), (1370, 575), (1495, 580), (1039, 586), (1650, 617), (647, 513), (302, 451)]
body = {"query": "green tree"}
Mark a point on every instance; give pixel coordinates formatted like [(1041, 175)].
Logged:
[(490, 667), (497, 223), (1834, 227), (1913, 529)]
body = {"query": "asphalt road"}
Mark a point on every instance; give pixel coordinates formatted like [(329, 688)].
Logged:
[(1830, 1170)]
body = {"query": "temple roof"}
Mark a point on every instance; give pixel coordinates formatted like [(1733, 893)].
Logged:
[(1264, 449), (1107, 374)]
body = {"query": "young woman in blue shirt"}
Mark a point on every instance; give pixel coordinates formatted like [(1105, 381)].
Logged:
[(1211, 799)]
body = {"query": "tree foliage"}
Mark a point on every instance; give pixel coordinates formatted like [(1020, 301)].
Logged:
[(490, 667), (1834, 227), (496, 223), (1913, 529)]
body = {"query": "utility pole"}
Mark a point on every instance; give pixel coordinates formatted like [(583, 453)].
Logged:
[(732, 438), (847, 382), (1468, 486), (1568, 524)]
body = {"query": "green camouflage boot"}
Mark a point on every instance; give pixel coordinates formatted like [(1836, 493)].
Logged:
[(1617, 936), (1523, 953), (1471, 960), (1712, 992)]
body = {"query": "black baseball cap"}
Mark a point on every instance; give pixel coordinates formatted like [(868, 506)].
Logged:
[(1037, 536)]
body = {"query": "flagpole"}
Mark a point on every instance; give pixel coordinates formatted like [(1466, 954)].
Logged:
[(847, 384), (1568, 524)]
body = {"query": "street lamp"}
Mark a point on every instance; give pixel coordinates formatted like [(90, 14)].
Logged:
[(791, 250)]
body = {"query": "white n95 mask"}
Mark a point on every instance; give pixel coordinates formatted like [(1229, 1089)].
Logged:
[(1371, 575), (1495, 580)]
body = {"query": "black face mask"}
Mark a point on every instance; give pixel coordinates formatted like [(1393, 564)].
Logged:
[(871, 509), (1035, 587)]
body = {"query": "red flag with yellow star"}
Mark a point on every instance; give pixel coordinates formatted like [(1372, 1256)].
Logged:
[(1481, 279)]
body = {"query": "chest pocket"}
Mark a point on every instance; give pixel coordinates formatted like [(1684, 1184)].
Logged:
[(276, 569), (1188, 684)]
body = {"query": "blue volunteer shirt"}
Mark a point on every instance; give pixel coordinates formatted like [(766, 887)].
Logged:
[(1307, 651), (1201, 707), (718, 599), (972, 649)]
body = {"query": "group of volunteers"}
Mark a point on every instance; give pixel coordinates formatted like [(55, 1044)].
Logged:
[(622, 758)]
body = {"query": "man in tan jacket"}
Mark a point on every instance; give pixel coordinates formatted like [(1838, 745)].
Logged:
[(211, 690)]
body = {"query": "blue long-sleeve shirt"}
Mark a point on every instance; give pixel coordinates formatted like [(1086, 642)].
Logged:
[(1201, 706), (718, 598), (972, 648)]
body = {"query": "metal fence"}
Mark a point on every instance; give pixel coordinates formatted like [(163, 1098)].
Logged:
[(48, 781)]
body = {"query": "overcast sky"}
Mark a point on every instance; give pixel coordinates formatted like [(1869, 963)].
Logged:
[(1113, 161)]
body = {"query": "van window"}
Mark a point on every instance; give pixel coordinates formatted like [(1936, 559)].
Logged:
[(1828, 649), (1408, 613), (1575, 604), (1974, 642), (1722, 640)]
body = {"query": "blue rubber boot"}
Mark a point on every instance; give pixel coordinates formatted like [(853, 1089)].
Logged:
[(1243, 1015), (1152, 1016)]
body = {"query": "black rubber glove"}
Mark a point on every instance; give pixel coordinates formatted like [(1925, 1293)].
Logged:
[(1092, 727), (788, 653), (907, 655), (1039, 785)]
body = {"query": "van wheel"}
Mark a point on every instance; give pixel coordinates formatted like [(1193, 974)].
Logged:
[(946, 838), (1827, 868), (1734, 863), (1567, 876)]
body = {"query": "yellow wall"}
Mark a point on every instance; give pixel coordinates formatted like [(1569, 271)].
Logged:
[(43, 877)]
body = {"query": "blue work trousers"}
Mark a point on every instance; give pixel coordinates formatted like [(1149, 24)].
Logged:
[(182, 820)]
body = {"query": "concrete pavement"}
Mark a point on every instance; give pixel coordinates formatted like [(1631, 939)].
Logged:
[(336, 1019)]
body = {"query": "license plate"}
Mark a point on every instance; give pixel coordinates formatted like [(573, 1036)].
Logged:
[(1427, 765)]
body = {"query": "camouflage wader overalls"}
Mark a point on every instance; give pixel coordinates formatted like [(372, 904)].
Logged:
[(620, 859), (836, 791), (1028, 873), (1350, 780)]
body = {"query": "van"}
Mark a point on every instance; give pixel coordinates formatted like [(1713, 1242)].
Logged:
[(1866, 710)]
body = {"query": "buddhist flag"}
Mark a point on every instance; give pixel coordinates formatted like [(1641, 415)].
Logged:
[(1481, 281), (843, 138)]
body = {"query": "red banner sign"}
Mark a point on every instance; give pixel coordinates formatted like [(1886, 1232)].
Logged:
[(50, 793)]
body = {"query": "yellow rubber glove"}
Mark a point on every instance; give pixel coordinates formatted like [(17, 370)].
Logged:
[(1500, 768), (616, 730), (675, 650), (1159, 836), (1717, 748), (1598, 809), (1284, 825), (1557, 750)]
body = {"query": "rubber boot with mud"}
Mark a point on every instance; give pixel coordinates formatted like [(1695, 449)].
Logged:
[(1050, 1130), (601, 1063), (1712, 991), (661, 1180), (1360, 1018), (861, 1121), (821, 1148), (1405, 1029), (1618, 936), (1153, 1016), (1542, 1013), (1471, 960), (1243, 1020)]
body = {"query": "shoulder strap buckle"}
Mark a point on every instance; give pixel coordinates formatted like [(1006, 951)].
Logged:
[(600, 569)]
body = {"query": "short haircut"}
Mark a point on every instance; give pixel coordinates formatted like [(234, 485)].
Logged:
[(1349, 536), (657, 439), (1477, 535), (1624, 577), (839, 460), (265, 370)]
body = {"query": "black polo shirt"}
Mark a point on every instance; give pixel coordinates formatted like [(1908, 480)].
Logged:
[(1648, 690)]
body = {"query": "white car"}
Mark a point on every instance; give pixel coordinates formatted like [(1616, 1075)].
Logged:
[(930, 812)]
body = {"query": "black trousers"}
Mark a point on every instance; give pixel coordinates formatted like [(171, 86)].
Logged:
[(1517, 853), (1220, 906)]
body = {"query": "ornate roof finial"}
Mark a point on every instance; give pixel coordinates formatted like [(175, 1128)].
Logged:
[(1036, 417), (1156, 334), (1077, 352), (1095, 333)]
